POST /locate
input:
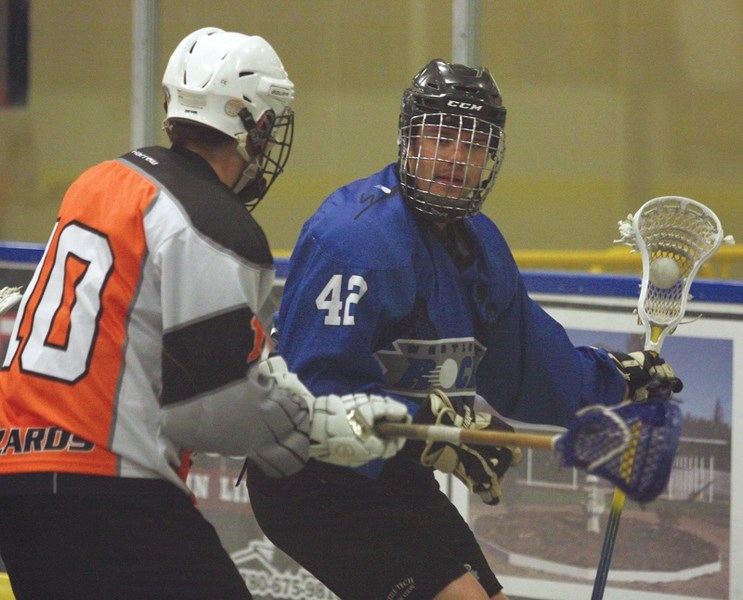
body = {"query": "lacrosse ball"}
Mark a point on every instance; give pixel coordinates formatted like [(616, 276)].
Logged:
[(664, 272)]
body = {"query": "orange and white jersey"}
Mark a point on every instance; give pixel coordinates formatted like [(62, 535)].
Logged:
[(139, 326)]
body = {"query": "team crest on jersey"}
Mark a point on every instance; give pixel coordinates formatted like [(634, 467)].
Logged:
[(415, 367)]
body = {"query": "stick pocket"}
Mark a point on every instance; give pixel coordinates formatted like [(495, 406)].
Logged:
[(632, 445)]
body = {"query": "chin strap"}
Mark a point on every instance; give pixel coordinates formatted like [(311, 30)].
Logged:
[(271, 140), (252, 192), (251, 172), (251, 186)]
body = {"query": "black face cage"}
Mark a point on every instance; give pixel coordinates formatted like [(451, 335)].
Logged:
[(271, 141), (450, 190)]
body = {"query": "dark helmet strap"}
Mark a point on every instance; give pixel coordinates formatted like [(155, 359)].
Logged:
[(258, 133)]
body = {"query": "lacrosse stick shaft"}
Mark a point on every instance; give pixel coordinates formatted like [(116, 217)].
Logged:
[(597, 440), (456, 435), (607, 548), (617, 505)]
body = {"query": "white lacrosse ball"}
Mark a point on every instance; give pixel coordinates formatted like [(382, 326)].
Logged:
[(664, 272)]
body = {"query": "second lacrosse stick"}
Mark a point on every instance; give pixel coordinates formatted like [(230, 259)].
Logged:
[(675, 236), (595, 440)]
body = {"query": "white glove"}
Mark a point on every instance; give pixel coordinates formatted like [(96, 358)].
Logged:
[(341, 430), (265, 418), (275, 368), (280, 424), (9, 297)]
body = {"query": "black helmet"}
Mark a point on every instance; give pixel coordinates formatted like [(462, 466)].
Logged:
[(450, 99)]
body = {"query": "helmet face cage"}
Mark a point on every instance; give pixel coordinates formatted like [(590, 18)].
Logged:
[(268, 146), (469, 153), (451, 140)]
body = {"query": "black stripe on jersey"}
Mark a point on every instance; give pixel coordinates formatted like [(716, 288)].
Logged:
[(206, 355), (213, 208)]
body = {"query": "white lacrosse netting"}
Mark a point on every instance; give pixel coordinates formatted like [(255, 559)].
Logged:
[(683, 230), (9, 297)]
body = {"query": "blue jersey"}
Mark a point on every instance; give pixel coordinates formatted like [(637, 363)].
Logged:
[(377, 301)]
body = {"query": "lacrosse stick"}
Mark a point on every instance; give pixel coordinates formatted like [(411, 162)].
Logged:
[(595, 440), (9, 297), (675, 236)]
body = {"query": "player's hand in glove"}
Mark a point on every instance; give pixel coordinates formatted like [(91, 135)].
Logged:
[(334, 429), (480, 468), (342, 428), (9, 297), (642, 368)]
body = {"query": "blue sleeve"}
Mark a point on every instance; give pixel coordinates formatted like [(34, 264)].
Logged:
[(533, 373), (335, 312)]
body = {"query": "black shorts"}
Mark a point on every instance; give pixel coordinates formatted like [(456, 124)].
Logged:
[(387, 539), (110, 538)]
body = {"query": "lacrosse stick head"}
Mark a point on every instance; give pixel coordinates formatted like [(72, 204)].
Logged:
[(9, 297), (683, 234), (632, 444)]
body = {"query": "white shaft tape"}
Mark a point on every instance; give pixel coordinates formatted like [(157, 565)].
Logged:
[(444, 433)]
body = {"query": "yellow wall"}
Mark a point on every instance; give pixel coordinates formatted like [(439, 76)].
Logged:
[(610, 103)]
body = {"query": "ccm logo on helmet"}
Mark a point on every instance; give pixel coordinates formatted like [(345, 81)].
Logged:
[(464, 105)]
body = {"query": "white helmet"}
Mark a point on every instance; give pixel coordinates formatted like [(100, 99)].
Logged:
[(235, 83)]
